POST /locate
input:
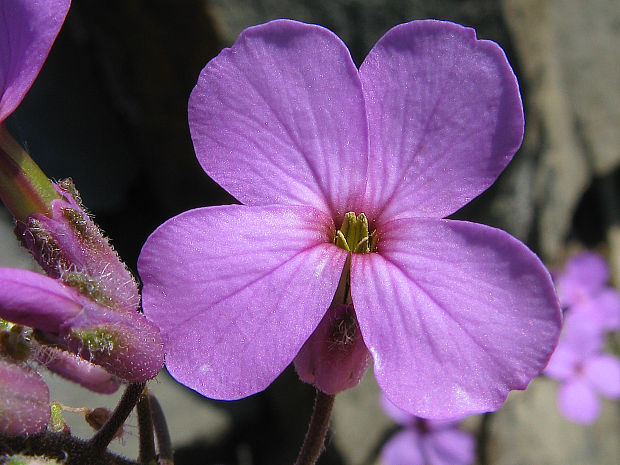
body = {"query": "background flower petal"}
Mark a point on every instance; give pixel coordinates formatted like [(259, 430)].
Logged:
[(585, 274), (603, 371), (578, 402), (27, 31), (279, 118), (563, 362), (403, 449), (237, 290), (449, 447), (444, 116), (455, 315)]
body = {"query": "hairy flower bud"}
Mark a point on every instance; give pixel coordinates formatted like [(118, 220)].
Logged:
[(334, 358), (76, 369), (125, 344), (24, 400), (68, 245)]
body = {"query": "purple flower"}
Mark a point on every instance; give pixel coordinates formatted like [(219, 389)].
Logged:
[(591, 307), (332, 162), (426, 442), (584, 293), (27, 31), (583, 371)]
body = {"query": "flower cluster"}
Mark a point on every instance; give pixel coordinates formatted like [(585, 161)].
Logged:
[(591, 309), (341, 253), (426, 442), (80, 320)]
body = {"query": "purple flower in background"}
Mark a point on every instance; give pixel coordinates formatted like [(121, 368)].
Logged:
[(584, 293), (583, 370), (347, 173), (27, 31), (426, 442), (591, 307)]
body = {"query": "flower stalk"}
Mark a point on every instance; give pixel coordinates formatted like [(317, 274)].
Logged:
[(24, 188), (102, 438), (146, 453), (164, 444), (317, 429)]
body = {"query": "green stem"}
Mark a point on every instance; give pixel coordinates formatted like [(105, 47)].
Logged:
[(317, 429), (24, 188)]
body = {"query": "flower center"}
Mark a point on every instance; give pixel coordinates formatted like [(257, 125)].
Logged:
[(354, 236)]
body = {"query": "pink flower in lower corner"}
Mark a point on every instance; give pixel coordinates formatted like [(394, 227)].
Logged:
[(346, 176)]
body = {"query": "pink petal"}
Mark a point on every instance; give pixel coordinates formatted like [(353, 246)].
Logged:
[(236, 291), (455, 315), (578, 402), (449, 447), (403, 449), (279, 118), (603, 371), (444, 115), (27, 31), (24, 400), (35, 300)]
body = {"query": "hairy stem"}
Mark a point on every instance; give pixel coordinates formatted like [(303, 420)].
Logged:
[(100, 441), (317, 429), (66, 449), (483, 439), (146, 453), (164, 445)]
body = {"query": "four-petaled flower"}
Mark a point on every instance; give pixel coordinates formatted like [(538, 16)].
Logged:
[(348, 173)]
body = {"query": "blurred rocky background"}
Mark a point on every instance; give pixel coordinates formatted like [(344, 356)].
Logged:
[(109, 110)]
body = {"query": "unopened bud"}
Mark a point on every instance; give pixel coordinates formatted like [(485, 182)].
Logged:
[(24, 400), (335, 357)]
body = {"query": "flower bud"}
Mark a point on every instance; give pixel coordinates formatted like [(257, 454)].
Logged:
[(125, 344), (335, 357), (68, 245), (24, 400), (78, 370)]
